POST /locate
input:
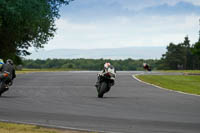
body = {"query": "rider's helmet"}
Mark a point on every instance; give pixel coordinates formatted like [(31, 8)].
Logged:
[(144, 64), (9, 61), (107, 65), (1, 63)]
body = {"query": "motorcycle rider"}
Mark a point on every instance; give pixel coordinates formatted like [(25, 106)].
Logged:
[(107, 65), (146, 67), (8, 68)]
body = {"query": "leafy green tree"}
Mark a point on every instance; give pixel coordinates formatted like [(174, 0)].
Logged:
[(196, 52), (26, 23), (187, 54), (173, 58), (177, 56), (196, 49)]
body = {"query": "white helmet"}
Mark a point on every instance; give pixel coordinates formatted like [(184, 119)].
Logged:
[(107, 65), (9, 61)]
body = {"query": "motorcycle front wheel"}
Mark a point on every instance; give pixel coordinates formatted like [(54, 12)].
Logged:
[(102, 89)]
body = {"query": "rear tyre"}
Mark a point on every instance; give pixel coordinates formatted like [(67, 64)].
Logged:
[(3, 88), (102, 89), (1, 91)]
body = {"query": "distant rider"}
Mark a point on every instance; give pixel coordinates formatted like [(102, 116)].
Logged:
[(8, 68), (106, 67), (146, 67)]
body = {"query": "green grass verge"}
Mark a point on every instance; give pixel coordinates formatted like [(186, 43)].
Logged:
[(23, 71), (184, 83), (21, 128), (183, 71)]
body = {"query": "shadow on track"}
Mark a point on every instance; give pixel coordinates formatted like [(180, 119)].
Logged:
[(9, 97)]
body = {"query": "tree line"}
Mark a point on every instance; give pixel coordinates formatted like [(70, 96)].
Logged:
[(88, 64)]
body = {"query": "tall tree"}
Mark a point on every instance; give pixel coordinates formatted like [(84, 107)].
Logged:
[(26, 23), (177, 56), (196, 52), (187, 54), (173, 58)]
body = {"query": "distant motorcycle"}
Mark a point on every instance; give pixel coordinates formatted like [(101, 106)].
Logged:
[(106, 81), (3, 85), (146, 67)]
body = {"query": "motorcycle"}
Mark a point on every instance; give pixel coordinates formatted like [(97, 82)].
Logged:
[(106, 81), (147, 67), (3, 86)]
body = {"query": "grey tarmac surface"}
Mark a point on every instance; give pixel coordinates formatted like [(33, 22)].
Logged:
[(69, 99)]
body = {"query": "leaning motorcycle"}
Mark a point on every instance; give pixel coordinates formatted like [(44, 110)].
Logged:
[(3, 85), (106, 81)]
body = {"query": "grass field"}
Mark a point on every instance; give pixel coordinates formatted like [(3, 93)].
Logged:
[(21, 128), (184, 83)]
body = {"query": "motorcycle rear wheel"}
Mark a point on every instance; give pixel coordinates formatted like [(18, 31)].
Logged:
[(3, 88)]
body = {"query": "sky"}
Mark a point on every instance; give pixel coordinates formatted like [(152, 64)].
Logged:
[(94, 24)]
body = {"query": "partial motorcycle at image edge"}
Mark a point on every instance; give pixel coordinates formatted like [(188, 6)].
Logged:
[(3, 85), (7, 75), (106, 80)]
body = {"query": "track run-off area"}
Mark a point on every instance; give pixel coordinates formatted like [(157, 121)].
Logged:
[(69, 100)]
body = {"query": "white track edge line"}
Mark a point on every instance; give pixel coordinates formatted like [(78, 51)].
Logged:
[(134, 76)]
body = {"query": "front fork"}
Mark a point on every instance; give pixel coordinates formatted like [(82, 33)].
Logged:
[(100, 79)]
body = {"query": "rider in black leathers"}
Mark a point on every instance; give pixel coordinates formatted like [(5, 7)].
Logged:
[(8, 68)]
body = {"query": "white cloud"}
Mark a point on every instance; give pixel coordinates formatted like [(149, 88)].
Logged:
[(124, 32)]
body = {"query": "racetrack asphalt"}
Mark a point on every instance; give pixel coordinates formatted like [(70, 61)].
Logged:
[(69, 99)]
